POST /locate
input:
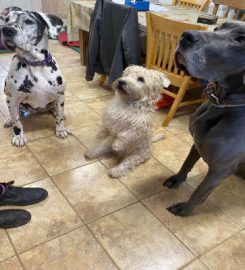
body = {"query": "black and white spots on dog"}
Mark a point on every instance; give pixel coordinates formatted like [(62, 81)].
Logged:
[(34, 82), (26, 85)]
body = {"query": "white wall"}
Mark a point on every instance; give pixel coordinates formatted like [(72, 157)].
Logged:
[(32, 5)]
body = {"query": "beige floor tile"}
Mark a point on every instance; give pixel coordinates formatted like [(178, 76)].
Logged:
[(69, 98), (204, 228), (6, 250), (57, 155), (99, 104), (2, 79), (76, 250), (3, 105), (74, 74), (11, 264), (87, 135), (79, 115), (137, 240), (228, 196), (177, 125), (50, 218), (5, 134), (196, 265), (57, 49), (229, 255), (172, 152), (20, 165), (3, 72), (38, 126), (92, 192), (186, 137), (146, 179), (87, 90), (71, 59)]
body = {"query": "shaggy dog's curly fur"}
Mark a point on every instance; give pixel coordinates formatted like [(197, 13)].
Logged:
[(127, 122)]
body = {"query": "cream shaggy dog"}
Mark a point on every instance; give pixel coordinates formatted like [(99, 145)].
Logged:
[(127, 122)]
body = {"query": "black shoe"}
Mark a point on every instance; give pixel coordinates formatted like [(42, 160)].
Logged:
[(21, 196), (13, 218)]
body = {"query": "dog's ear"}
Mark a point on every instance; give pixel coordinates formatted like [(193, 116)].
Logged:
[(53, 23), (161, 79), (7, 10)]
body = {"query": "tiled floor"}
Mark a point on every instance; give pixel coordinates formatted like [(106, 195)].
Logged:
[(91, 221)]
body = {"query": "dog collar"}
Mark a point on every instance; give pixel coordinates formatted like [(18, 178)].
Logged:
[(44, 62), (218, 102)]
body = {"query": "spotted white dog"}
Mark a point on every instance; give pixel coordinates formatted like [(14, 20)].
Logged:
[(127, 123), (34, 81)]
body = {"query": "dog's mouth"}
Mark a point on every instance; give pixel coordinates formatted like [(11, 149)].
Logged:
[(9, 45), (121, 88), (180, 62)]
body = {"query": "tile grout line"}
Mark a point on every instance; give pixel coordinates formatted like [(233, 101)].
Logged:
[(83, 222), (15, 250)]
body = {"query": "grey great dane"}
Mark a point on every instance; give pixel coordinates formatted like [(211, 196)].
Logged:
[(218, 126)]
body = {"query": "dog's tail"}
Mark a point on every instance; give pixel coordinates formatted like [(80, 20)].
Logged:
[(158, 136)]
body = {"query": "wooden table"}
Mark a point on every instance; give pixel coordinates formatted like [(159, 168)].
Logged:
[(79, 19)]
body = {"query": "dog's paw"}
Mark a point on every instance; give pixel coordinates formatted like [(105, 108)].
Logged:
[(115, 172), (117, 147), (90, 153), (179, 209), (62, 132), (173, 182), (19, 140), (7, 122)]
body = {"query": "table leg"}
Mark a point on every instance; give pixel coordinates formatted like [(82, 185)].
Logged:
[(83, 40)]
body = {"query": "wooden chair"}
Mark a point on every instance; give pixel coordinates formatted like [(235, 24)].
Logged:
[(199, 5), (238, 5), (162, 38)]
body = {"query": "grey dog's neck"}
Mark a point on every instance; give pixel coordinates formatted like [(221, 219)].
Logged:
[(231, 85)]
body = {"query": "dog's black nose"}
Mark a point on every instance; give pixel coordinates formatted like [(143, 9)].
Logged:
[(189, 37), (9, 31), (121, 84)]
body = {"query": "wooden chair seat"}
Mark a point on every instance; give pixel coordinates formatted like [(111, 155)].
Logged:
[(162, 39)]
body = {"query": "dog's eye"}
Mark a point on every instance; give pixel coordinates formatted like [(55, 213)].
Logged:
[(7, 19), (240, 39), (141, 79), (29, 22), (215, 29)]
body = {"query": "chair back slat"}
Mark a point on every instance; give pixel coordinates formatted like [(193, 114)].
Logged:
[(162, 40), (199, 5), (238, 5)]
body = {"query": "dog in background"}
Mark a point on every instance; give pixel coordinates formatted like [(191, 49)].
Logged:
[(127, 122), (34, 81)]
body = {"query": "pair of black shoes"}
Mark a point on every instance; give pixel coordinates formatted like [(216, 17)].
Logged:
[(19, 196)]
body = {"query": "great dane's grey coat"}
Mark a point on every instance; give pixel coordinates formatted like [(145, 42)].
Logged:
[(218, 131), (34, 81)]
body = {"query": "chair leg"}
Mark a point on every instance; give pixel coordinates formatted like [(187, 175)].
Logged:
[(177, 101), (102, 79)]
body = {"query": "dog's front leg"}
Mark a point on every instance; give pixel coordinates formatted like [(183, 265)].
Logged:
[(61, 131), (19, 138), (175, 180), (129, 162), (102, 149), (210, 182)]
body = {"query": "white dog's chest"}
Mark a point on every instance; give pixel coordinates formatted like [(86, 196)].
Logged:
[(36, 86), (40, 97)]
